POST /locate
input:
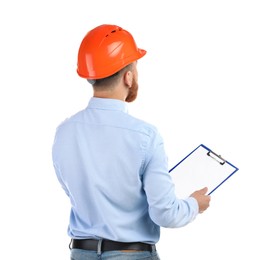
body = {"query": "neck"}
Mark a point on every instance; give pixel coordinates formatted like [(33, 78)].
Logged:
[(110, 94)]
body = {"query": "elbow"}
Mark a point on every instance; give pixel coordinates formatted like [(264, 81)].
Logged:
[(178, 215)]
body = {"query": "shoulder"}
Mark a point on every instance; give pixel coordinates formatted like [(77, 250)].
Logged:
[(70, 119), (142, 126)]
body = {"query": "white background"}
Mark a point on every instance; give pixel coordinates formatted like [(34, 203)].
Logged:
[(210, 76)]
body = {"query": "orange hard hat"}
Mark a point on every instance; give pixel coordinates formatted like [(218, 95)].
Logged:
[(105, 50)]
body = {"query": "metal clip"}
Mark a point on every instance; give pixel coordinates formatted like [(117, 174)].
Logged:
[(216, 157)]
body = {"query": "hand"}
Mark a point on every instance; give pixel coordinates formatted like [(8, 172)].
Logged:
[(202, 199)]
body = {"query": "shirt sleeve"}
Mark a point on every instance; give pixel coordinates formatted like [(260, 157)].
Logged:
[(165, 209)]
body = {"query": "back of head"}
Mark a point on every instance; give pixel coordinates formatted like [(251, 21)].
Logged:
[(106, 50)]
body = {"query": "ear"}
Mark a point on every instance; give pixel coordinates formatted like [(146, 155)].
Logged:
[(128, 77)]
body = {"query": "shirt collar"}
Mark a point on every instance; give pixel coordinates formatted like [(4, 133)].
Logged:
[(108, 104)]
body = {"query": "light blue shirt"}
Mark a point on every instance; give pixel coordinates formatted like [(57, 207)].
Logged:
[(114, 169)]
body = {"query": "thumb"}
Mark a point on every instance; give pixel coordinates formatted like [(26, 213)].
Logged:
[(203, 190)]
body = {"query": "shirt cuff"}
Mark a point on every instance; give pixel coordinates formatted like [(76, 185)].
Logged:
[(194, 205)]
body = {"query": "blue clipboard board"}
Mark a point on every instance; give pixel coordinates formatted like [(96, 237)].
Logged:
[(201, 168)]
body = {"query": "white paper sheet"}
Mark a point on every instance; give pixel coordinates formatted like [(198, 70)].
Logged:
[(201, 168)]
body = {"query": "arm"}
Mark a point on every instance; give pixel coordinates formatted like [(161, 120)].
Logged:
[(165, 208)]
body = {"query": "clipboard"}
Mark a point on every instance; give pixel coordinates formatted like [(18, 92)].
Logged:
[(201, 168)]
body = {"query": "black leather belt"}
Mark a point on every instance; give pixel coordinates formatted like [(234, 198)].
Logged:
[(108, 245)]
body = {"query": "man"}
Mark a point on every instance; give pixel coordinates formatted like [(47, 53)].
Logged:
[(113, 166)]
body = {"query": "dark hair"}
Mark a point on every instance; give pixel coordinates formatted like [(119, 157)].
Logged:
[(109, 81)]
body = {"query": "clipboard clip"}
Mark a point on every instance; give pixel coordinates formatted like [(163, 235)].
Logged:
[(216, 157)]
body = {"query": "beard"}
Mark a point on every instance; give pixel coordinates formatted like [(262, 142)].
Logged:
[(133, 90)]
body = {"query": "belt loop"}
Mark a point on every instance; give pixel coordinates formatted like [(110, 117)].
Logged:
[(99, 247), (70, 244), (153, 248)]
